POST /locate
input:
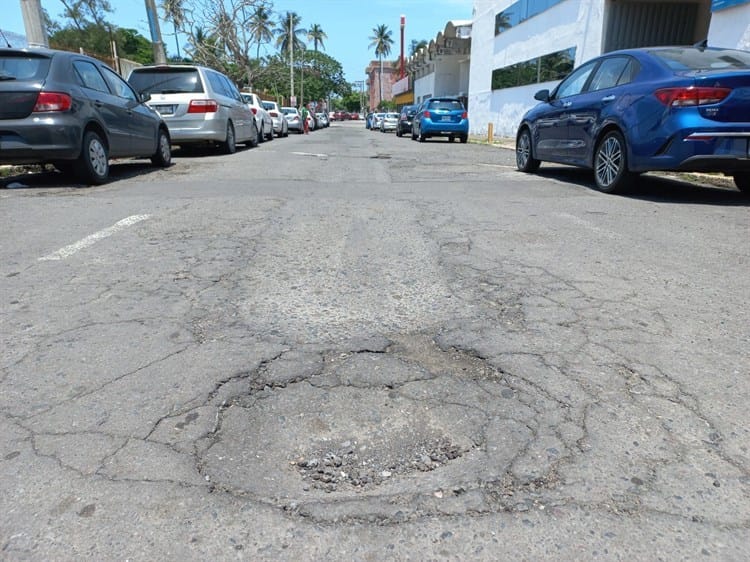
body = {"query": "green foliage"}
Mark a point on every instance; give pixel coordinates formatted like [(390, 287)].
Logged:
[(85, 26), (317, 73)]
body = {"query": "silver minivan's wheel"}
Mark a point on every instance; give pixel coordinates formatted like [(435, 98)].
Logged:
[(229, 146), (525, 161), (611, 164), (92, 165), (163, 155)]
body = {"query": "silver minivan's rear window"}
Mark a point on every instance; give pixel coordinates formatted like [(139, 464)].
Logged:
[(23, 66), (166, 80)]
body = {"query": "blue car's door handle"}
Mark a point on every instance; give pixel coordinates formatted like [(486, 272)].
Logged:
[(567, 103), (607, 99)]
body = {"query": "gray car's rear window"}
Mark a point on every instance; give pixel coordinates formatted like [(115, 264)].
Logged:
[(166, 81), (696, 59), (22, 66)]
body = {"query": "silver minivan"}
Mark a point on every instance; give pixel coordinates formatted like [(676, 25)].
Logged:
[(198, 104)]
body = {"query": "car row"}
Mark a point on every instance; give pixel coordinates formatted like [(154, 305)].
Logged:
[(434, 117), (74, 112)]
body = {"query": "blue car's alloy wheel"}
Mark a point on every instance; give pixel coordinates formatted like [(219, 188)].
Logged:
[(610, 164), (525, 162)]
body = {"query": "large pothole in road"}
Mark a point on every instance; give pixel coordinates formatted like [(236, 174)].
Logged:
[(370, 429)]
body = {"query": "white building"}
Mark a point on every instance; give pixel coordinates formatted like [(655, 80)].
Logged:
[(442, 67), (522, 46)]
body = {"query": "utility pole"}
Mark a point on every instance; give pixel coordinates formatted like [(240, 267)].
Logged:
[(160, 56), (291, 63), (36, 35), (403, 25)]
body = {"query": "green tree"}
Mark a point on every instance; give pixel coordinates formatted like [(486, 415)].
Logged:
[(317, 36), (382, 41), (260, 28), (416, 45)]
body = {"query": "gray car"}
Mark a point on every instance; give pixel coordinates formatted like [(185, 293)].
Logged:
[(74, 112), (199, 104)]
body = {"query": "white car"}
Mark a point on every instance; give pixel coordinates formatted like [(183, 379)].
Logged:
[(389, 122), (293, 118), (262, 119), (280, 125)]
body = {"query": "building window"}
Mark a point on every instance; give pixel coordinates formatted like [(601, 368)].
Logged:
[(521, 11), (547, 68)]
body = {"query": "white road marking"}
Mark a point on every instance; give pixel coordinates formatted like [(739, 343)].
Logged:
[(496, 166), (310, 154), (588, 225), (92, 239)]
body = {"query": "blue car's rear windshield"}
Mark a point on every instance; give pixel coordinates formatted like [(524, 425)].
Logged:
[(692, 59), (451, 105)]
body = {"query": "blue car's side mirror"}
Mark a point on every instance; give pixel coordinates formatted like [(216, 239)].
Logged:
[(542, 95)]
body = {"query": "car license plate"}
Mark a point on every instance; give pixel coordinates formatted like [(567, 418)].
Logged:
[(445, 118), (165, 109)]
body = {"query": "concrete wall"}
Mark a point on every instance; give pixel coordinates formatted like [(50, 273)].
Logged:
[(572, 23), (730, 28)]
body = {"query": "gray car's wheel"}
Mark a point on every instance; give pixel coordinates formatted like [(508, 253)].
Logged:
[(525, 160), (742, 181), (92, 165), (422, 137), (270, 133), (252, 142), (229, 146), (611, 164), (163, 155)]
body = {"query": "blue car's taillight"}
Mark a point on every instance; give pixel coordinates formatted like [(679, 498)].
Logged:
[(692, 96)]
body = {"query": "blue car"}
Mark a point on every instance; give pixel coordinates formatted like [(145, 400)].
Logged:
[(441, 117), (639, 110)]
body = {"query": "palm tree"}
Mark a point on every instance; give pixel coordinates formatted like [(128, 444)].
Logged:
[(174, 11), (288, 30), (260, 27), (416, 45), (317, 36), (381, 40)]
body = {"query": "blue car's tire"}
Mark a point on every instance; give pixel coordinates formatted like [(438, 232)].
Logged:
[(525, 161), (611, 164)]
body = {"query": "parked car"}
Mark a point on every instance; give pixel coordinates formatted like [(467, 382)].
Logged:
[(293, 119), (263, 120), (199, 104), (368, 120), (74, 112), (280, 126), (375, 121), (389, 122), (405, 119), (322, 119), (441, 117), (637, 110)]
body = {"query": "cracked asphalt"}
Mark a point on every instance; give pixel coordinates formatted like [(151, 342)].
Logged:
[(351, 346)]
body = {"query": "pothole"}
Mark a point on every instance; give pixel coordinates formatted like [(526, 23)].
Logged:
[(374, 431), (348, 467)]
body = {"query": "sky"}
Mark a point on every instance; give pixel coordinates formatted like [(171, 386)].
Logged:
[(348, 24)]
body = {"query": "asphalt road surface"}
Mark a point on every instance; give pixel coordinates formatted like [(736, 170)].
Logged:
[(352, 346)]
